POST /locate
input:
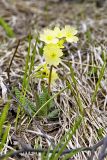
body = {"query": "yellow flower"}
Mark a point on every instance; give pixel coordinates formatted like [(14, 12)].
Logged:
[(52, 54), (48, 36), (42, 71), (54, 76), (59, 33), (45, 74), (61, 43), (45, 71), (69, 34)]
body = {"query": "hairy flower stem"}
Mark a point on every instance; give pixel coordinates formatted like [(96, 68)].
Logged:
[(49, 81)]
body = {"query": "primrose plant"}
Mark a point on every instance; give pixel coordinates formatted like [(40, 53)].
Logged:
[(54, 40), (54, 43)]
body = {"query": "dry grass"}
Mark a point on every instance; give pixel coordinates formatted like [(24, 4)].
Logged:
[(87, 59)]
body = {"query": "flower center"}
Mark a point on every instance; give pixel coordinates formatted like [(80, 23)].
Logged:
[(53, 55), (49, 37)]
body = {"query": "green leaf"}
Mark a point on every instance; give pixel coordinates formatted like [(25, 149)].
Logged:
[(98, 82), (28, 106), (44, 97), (3, 117), (7, 28), (4, 137), (53, 114), (72, 153)]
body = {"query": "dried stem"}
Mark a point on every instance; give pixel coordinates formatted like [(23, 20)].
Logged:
[(10, 64)]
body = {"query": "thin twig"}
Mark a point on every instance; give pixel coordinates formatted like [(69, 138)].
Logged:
[(10, 64)]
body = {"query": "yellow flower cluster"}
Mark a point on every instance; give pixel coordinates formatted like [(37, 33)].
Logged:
[(42, 71), (54, 43), (54, 40)]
